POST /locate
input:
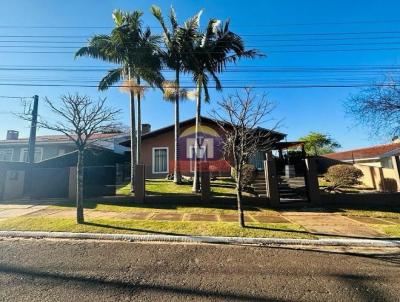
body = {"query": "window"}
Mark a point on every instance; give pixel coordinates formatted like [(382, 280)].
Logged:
[(38, 154), (61, 152), (387, 163), (6, 154), (160, 160)]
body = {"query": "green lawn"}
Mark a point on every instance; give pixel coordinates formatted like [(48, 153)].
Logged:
[(390, 230), (166, 196), (128, 226), (220, 187), (383, 212)]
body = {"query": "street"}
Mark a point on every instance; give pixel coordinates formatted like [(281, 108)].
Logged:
[(50, 270)]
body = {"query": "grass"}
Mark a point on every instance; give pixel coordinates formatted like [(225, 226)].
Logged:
[(223, 186), (164, 196), (390, 230), (393, 212), (128, 226), (323, 183)]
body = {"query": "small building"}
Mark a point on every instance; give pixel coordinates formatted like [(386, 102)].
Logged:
[(53, 173), (376, 156), (15, 149), (379, 164), (158, 150)]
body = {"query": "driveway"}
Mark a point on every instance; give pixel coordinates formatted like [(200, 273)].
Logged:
[(43, 270)]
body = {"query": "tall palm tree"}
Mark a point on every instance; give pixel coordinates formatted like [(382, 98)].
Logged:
[(136, 52), (178, 42), (212, 51)]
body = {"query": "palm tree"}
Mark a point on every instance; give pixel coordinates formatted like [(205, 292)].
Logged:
[(136, 52), (178, 42), (214, 48)]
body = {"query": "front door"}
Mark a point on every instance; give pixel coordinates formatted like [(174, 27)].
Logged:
[(258, 160)]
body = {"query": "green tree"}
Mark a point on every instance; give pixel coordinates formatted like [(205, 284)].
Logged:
[(318, 143), (136, 51), (212, 51), (178, 42)]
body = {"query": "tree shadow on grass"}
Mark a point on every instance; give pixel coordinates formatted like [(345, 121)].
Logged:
[(114, 227), (172, 202)]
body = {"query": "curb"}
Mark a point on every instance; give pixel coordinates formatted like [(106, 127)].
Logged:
[(204, 239)]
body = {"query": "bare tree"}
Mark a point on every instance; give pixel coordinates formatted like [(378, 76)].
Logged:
[(79, 118), (378, 108), (240, 117)]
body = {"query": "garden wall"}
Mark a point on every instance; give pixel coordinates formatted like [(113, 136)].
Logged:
[(378, 178), (362, 199)]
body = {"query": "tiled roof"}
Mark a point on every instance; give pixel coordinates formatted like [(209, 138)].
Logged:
[(363, 153), (59, 138), (188, 122)]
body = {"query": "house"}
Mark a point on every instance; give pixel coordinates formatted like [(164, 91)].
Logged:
[(376, 156), (157, 151), (15, 149), (379, 164)]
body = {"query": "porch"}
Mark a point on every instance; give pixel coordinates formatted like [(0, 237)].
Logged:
[(289, 173)]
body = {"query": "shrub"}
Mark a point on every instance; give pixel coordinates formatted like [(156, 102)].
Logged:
[(343, 176), (248, 174)]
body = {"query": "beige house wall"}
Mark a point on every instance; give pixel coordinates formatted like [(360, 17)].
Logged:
[(381, 179)]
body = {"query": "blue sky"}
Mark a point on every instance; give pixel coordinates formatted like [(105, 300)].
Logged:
[(279, 28)]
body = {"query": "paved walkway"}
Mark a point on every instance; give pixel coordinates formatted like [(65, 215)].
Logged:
[(336, 224), (329, 224)]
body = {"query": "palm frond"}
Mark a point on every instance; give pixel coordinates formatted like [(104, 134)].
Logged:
[(113, 76), (173, 19), (98, 47), (193, 22), (156, 11)]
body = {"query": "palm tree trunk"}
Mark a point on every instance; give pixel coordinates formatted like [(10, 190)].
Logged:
[(177, 170), (133, 138), (79, 187), (139, 124), (196, 175)]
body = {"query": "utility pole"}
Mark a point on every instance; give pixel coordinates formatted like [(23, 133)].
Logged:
[(31, 148), (32, 135)]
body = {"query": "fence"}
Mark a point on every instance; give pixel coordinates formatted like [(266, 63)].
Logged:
[(50, 182)]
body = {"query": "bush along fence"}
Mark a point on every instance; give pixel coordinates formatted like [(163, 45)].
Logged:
[(381, 179)]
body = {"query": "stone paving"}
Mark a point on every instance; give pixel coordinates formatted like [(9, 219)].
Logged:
[(334, 225), (329, 224)]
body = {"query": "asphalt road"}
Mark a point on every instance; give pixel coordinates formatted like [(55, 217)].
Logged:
[(44, 270)]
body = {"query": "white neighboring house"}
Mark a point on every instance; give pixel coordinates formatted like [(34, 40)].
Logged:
[(15, 149)]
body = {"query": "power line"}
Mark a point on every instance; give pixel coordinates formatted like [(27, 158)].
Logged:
[(244, 35), (267, 51), (15, 97), (246, 25), (269, 40), (249, 46), (285, 86)]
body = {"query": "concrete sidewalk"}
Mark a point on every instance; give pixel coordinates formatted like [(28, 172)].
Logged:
[(329, 224)]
